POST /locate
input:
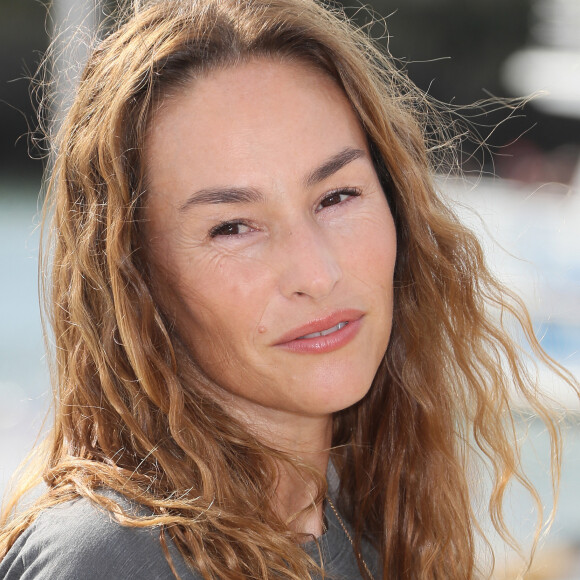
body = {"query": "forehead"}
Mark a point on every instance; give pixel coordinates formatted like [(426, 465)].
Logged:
[(264, 113)]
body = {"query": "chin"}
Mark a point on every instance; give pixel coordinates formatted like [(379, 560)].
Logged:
[(341, 394)]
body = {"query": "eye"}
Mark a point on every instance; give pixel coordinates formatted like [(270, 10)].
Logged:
[(229, 229), (337, 196)]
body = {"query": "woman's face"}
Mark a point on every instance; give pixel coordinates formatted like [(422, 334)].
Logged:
[(272, 242)]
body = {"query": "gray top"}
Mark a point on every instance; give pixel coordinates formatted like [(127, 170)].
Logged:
[(78, 540)]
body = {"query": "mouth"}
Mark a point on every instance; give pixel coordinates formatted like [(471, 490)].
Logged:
[(339, 326), (323, 334)]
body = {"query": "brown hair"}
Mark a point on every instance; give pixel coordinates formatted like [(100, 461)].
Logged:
[(131, 413)]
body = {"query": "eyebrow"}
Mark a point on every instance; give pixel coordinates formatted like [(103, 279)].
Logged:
[(217, 195), (232, 195), (333, 165)]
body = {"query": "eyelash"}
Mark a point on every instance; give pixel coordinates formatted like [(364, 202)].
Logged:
[(221, 229), (349, 191)]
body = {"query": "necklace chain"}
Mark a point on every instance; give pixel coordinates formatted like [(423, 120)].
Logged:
[(342, 525)]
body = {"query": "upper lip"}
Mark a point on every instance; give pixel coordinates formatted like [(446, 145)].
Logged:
[(320, 324)]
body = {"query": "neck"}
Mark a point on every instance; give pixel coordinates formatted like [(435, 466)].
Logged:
[(307, 438), (297, 500), (296, 491)]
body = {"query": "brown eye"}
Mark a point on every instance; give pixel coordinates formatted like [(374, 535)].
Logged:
[(229, 229), (336, 197)]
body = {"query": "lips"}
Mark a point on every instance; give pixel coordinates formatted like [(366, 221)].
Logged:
[(339, 326), (323, 334)]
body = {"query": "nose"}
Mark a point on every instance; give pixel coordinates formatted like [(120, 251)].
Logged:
[(308, 263)]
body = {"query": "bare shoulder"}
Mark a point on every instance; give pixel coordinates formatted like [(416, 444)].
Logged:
[(79, 539)]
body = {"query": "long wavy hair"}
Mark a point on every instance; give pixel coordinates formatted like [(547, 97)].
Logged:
[(131, 406)]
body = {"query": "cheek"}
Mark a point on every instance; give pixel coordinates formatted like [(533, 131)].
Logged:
[(222, 296), (371, 252)]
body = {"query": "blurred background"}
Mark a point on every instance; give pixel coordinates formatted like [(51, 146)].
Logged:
[(521, 193)]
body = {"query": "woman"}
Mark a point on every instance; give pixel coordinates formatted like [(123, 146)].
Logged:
[(274, 352)]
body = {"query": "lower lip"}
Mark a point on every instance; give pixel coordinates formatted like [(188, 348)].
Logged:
[(328, 343)]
